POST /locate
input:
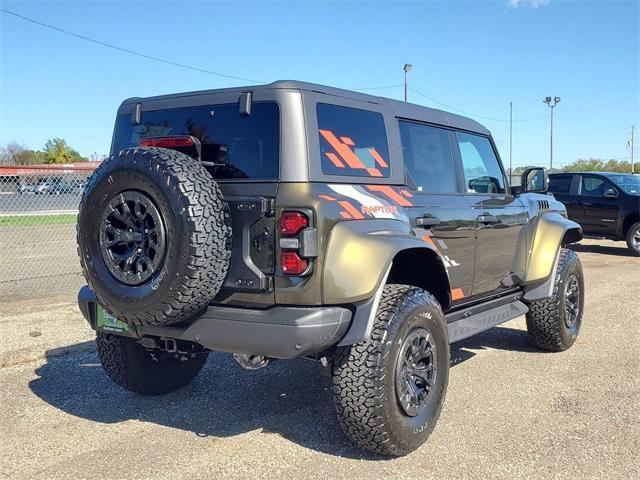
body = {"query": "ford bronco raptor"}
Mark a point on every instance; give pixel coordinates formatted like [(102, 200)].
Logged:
[(295, 220)]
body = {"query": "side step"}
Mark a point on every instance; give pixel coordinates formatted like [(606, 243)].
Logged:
[(469, 321)]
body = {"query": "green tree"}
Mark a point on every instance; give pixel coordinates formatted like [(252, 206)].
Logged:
[(56, 150), (14, 153), (598, 165)]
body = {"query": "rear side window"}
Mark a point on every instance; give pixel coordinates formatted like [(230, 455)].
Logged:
[(353, 142), (427, 156), (560, 183), (241, 146), (482, 173)]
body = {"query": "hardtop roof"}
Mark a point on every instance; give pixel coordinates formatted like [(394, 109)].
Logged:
[(400, 109)]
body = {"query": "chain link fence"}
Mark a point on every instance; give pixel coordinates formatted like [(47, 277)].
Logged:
[(38, 212)]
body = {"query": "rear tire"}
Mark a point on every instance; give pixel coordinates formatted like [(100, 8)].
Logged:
[(139, 370), (633, 239), (553, 323), (372, 380)]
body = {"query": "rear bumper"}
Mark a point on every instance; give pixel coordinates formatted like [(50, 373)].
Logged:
[(278, 332)]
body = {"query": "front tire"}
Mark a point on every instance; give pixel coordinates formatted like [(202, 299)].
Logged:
[(553, 323), (633, 239), (139, 370), (389, 390)]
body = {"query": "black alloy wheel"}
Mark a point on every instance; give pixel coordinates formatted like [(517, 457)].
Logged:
[(132, 237), (415, 371)]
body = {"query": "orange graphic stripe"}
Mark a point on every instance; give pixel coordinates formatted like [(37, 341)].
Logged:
[(428, 239), (345, 215), (457, 294), (334, 159), (343, 150), (406, 193), (327, 197), (391, 194), (348, 141), (351, 209), (374, 172), (374, 153)]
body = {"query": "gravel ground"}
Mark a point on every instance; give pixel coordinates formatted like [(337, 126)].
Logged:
[(511, 411)]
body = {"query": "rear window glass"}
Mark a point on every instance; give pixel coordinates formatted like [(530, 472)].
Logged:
[(560, 183), (241, 146), (353, 142)]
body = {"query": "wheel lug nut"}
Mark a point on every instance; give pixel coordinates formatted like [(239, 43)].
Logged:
[(139, 250)]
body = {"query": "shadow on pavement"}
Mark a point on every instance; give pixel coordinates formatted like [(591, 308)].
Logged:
[(289, 398), (621, 251)]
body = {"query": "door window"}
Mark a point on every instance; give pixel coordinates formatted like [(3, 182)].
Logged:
[(427, 156), (560, 183), (594, 186), (482, 172)]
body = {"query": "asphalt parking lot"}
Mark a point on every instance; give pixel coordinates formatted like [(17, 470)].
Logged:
[(511, 410)]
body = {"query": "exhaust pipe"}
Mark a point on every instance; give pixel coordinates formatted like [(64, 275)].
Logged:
[(251, 362)]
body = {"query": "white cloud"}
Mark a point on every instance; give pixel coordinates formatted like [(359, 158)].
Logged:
[(535, 4)]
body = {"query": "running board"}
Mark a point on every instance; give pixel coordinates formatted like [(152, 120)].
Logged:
[(470, 321)]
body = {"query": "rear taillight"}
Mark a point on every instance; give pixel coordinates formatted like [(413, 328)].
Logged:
[(168, 142), (298, 243), (292, 222), (292, 263)]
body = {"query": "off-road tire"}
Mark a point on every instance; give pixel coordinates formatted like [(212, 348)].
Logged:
[(546, 323), (197, 235), (364, 375), (133, 367), (633, 232)]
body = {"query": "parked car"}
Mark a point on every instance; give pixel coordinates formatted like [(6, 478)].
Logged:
[(607, 205), (27, 188), (368, 234)]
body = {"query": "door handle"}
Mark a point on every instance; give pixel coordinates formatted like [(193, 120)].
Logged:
[(427, 221), (487, 219)]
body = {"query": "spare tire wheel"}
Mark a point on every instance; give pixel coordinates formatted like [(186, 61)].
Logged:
[(154, 236)]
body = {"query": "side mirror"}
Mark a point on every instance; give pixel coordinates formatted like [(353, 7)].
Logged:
[(610, 193), (535, 179)]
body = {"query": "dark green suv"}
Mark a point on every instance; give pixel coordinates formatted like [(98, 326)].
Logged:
[(295, 220)]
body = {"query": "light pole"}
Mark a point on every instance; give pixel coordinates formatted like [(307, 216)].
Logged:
[(407, 68), (551, 103)]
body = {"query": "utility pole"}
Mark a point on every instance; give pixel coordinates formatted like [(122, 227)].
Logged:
[(510, 141), (551, 103), (632, 145), (407, 68)]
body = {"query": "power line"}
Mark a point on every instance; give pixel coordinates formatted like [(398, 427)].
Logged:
[(126, 50), (473, 114), (151, 57)]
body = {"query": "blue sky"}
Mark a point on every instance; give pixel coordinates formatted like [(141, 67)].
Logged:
[(474, 56)]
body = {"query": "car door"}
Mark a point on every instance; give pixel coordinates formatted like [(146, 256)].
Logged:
[(499, 215), (440, 214), (564, 189), (601, 213)]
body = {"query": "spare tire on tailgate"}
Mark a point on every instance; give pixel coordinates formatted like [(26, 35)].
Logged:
[(154, 236)]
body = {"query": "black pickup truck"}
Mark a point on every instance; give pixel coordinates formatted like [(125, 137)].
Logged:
[(607, 205)]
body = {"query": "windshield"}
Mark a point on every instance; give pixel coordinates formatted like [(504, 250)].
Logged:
[(629, 183)]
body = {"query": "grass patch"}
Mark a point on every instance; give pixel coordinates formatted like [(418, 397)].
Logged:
[(27, 220)]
